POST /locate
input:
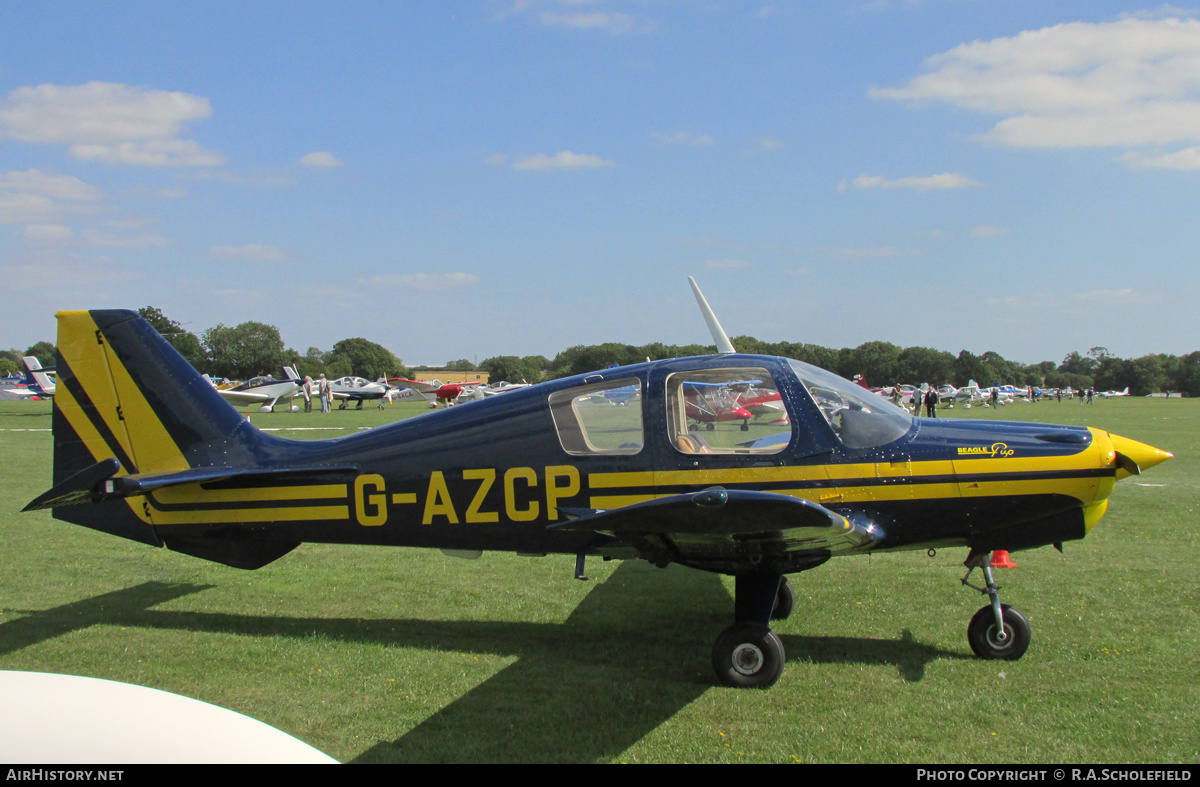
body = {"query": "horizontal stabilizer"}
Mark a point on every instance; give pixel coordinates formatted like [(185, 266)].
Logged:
[(79, 488), (100, 482)]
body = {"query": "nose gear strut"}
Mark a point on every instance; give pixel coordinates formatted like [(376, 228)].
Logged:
[(997, 631)]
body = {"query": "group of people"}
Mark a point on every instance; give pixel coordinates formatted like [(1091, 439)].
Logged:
[(321, 389), (928, 398)]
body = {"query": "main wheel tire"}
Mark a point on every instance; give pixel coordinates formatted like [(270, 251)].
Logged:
[(785, 601), (986, 639), (748, 655)]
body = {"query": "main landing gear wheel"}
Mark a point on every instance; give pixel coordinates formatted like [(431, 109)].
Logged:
[(748, 655), (990, 642), (785, 601)]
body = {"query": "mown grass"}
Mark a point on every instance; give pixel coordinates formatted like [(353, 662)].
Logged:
[(401, 655)]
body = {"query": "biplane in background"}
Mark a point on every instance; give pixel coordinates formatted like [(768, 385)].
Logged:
[(145, 449)]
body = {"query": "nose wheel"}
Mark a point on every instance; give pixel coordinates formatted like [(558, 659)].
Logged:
[(997, 631), (989, 641)]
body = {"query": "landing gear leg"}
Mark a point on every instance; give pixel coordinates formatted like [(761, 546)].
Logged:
[(748, 654), (997, 631)]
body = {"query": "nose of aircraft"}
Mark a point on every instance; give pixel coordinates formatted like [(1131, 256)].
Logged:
[(1133, 457)]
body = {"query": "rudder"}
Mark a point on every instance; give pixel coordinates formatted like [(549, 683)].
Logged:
[(125, 395)]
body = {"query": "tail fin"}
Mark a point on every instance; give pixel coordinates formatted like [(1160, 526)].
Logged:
[(127, 404), (35, 378)]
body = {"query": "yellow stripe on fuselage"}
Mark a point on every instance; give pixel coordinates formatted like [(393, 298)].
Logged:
[(869, 482), (164, 501)]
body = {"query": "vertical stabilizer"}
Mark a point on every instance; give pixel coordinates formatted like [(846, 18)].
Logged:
[(127, 403), (720, 338)]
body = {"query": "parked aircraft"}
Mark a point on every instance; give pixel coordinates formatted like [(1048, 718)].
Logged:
[(36, 383), (435, 391), (143, 451), (264, 391), (357, 389), (1110, 394), (969, 394)]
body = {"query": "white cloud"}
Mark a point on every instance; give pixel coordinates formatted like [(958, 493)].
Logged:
[(989, 231), (873, 252), (33, 181), (1127, 83), (320, 159), (113, 123), (1188, 158), (149, 153), (562, 160), (946, 180), (251, 252), (686, 138), (26, 208), (422, 281), (47, 233), (145, 240), (1081, 303), (767, 145)]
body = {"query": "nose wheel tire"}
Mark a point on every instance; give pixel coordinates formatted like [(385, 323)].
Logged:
[(990, 642), (748, 655)]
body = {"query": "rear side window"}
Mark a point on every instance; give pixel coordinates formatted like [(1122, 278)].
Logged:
[(727, 411), (601, 418)]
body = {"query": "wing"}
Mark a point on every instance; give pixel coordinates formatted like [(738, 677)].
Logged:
[(245, 397), (723, 525)]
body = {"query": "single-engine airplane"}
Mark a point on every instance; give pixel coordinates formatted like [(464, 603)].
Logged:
[(358, 389), (37, 381), (264, 391), (145, 449), (436, 391)]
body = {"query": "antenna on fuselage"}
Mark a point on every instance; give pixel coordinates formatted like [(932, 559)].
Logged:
[(721, 338)]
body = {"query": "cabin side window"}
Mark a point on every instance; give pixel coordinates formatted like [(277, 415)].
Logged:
[(726, 411), (601, 418)]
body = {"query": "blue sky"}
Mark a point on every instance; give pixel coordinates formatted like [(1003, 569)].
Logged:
[(513, 177)]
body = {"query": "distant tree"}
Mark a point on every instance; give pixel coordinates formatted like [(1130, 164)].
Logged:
[(1187, 374), (185, 342), (513, 369), (364, 359), (8, 367), (878, 362), (247, 350), (918, 365), (1075, 363), (589, 358), (461, 365), (311, 364), (44, 352)]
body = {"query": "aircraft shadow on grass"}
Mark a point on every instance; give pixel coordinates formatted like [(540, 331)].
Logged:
[(589, 687)]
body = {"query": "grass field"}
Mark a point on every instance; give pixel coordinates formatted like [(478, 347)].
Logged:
[(400, 655)]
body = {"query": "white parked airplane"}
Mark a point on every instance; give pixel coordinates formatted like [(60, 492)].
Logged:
[(264, 391), (38, 382), (357, 389)]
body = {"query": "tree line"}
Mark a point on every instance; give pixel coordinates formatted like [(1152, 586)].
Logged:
[(254, 348)]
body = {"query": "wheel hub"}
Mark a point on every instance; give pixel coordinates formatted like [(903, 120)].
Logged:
[(999, 639), (747, 658)]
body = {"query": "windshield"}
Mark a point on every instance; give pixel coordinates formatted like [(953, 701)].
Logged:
[(859, 418)]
